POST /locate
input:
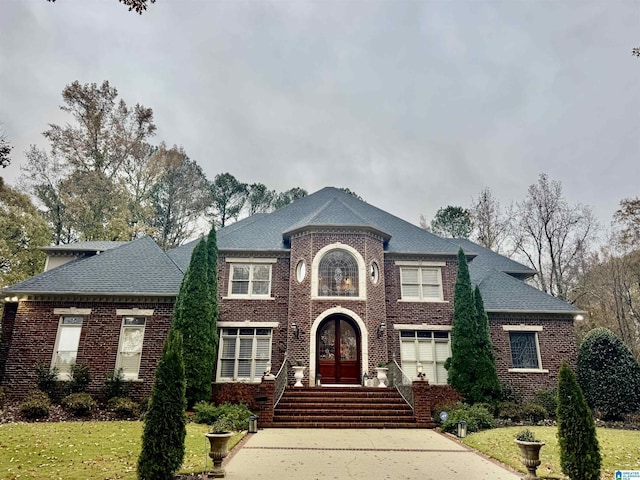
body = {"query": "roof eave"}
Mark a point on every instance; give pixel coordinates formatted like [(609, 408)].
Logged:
[(367, 228), (544, 312)]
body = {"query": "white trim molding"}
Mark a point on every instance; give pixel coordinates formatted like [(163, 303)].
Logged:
[(423, 326), (72, 311), (248, 324), (362, 272), (250, 260), (134, 312), (419, 263), (364, 339), (522, 328)]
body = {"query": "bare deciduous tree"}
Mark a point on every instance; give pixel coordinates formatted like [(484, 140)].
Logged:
[(553, 236), (490, 224)]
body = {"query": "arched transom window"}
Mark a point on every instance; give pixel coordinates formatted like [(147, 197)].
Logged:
[(338, 275)]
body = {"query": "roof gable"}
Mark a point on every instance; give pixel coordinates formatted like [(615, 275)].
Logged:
[(139, 267)]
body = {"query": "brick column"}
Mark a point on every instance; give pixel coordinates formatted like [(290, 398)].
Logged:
[(267, 398), (422, 403)]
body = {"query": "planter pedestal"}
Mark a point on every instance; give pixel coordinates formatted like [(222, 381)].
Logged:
[(298, 374), (381, 374), (218, 452), (530, 457)]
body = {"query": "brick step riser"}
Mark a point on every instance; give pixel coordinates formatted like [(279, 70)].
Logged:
[(352, 413), (343, 425), (344, 419), (341, 403)]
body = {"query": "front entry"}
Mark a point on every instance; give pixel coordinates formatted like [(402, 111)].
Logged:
[(338, 348)]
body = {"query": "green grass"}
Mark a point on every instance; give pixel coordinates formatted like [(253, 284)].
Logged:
[(81, 450), (620, 449)]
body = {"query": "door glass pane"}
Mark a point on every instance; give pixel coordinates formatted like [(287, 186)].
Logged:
[(327, 340), (348, 342)]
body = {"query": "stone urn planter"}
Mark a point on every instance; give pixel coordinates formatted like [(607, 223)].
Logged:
[(298, 374), (381, 373), (529, 452), (218, 442)]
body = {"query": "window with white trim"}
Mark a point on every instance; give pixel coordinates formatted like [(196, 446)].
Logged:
[(66, 349), (243, 354), (250, 280), (430, 348), (338, 275), (130, 348), (421, 284), (525, 351)]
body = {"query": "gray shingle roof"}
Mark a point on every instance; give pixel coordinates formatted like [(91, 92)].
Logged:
[(330, 207), (93, 246), (139, 267), (503, 293), (487, 259)]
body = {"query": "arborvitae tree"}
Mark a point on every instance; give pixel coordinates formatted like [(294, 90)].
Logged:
[(165, 424), (462, 363), (212, 271), (579, 449), (486, 387), (608, 374), (192, 317)]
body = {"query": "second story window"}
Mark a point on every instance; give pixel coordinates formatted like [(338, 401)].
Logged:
[(421, 284), (250, 280), (338, 275)]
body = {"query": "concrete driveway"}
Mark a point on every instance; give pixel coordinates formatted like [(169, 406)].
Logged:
[(372, 454)]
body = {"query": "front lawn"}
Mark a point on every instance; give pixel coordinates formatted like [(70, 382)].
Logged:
[(81, 450), (620, 449)]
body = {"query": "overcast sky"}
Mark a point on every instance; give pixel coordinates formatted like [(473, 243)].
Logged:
[(414, 105)]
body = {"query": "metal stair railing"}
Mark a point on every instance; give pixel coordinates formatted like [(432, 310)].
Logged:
[(281, 381), (398, 379)]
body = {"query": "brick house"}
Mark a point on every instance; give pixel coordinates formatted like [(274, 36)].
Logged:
[(329, 280)]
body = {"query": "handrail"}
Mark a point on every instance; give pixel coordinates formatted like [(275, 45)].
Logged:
[(400, 380), (281, 381)]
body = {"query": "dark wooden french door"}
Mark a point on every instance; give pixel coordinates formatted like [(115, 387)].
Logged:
[(338, 348)]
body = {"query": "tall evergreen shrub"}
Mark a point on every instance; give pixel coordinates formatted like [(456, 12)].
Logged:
[(579, 449), (463, 348), (486, 387), (471, 368), (192, 317), (608, 374), (165, 424), (212, 272)]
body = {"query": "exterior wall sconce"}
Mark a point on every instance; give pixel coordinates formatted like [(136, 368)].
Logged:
[(421, 373), (267, 369), (295, 330), (462, 429), (381, 329)]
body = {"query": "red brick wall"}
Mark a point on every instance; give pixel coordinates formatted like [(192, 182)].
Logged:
[(557, 342), (34, 337)]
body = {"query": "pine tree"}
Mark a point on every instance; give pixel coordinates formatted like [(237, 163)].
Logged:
[(463, 345), (165, 424), (192, 317), (579, 449), (486, 387)]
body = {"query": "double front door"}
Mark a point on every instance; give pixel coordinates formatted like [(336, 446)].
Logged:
[(338, 348)]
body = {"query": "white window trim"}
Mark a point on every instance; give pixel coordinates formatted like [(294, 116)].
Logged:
[(416, 340), (362, 272), (407, 326), (135, 377), (66, 375), (250, 262), (72, 312), (421, 299), (528, 329), (134, 312), (257, 376)]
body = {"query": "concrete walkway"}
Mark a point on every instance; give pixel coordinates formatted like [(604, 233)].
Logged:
[(372, 454)]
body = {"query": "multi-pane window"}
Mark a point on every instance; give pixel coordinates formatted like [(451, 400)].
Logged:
[(250, 280), (421, 283), (338, 275), (243, 353), (67, 341), (524, 349), (430, 348), (130, 349)]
